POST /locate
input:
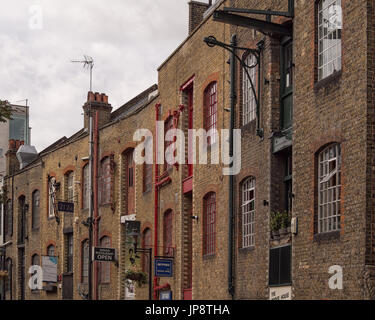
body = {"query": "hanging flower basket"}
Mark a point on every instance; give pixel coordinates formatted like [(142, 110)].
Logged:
[(3, 274), (139, 277)]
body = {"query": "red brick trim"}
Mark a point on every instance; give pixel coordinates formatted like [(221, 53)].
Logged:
[(317, 146), (210, 189), (106, 155), (49, 243), (126, 148), (188, 83), (33, 253), (68, 169)]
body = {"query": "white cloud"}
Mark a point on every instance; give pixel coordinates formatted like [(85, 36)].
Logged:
[(127, 39)]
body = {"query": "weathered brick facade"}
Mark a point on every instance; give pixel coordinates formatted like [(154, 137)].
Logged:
[(338, 109)]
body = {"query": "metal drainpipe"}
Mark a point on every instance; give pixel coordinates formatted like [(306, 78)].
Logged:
[(231, 287), (156, 213), (96, 211)]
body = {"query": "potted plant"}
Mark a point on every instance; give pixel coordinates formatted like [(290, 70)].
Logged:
[(137, 276), (275, 224)]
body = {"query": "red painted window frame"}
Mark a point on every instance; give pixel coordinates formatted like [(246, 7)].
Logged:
[(105, 181), (210, 108), (168, 233), (168, 124)]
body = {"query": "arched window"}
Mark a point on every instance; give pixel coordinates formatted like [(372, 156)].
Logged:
[(85, 261), (51, 197), (168, 125), (168, 233), (9, 268), (105, 267), (248, 98), (85, 187), (22, 230), (210, 110), (329, 37), (128, 182), (248, 212), (105, 181), (209, 223), (35, 260), (51, 250), (146, 243), (35, 209), (147, 169), (69, 178), (329, 189)]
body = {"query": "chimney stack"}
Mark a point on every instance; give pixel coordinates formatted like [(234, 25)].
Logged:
[(98, 102), (196, 11), (13, 164)]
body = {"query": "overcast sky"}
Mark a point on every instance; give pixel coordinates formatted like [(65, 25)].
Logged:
[(128, 40)]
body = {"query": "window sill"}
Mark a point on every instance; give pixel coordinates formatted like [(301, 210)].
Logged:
[(246, 250), (250, 126), (326, 237), (328, 82), (208, 257)]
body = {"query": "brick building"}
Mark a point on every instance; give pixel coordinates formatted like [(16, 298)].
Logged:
[(302, 221)]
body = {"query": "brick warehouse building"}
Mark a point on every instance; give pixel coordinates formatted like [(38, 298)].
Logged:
[(306, 150)]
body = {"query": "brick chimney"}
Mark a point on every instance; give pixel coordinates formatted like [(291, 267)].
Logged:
[(98, 102), (13, 164), (196, 11)]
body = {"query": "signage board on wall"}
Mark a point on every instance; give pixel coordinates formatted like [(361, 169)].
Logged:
[(49, 267), (281, 293)]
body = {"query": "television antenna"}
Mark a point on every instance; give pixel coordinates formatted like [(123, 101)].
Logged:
[(88, 62)]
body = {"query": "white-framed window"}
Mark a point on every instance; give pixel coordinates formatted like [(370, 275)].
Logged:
[(248, 98), (51, 197), (85, 187), (329, 189), (70, 186), (248, 212), (329, 37)]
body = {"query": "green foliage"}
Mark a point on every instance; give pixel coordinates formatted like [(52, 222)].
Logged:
[(5, 111), (3, 195), (280, 220), (137, 276)]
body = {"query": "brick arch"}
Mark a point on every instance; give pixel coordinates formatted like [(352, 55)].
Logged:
[(106, 233), (106, 155), (48, 244), (68, 169), (203, 196), (319, 144), (128, 146), (214, 77), (146, 225), (247, 172)]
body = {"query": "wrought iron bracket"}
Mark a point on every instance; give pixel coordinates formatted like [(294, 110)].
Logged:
[(211, 41)]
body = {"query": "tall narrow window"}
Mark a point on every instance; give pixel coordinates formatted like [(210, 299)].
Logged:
[(168, 125), (147, 169), (329, 37), (286, 83), (209, 224), (8, 220), (210, 110), (146, 243), (128, 181), (35, 209), (22, 231), (329, 185), (85, 261), (51, 197), (51, 250), (248, 98), (248, 213), (9, 268), (168, 233), (69, 252), (70, 186), (105, 181), (105, 267), (85, 187)]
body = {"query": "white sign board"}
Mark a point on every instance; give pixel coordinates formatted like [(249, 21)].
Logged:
[(129, 290), (49, 266), (281, 293)]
